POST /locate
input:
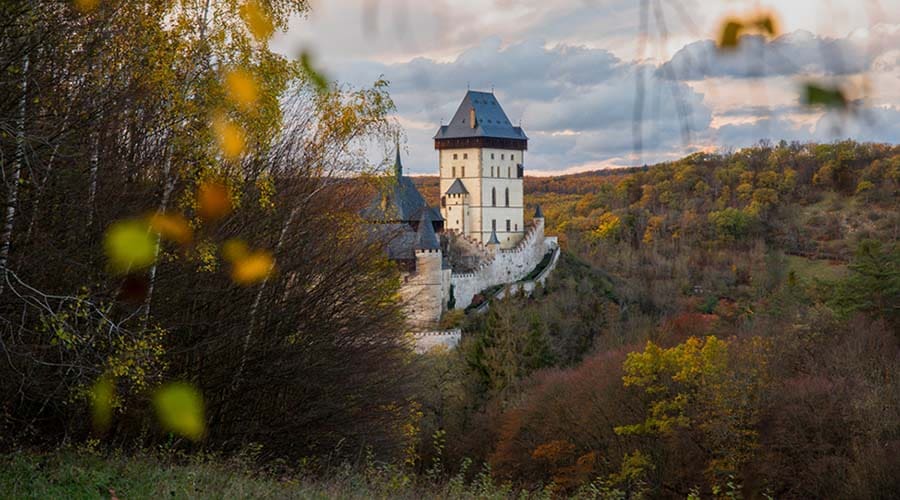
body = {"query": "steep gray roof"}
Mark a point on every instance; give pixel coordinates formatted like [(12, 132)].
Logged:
[(493, 240), (538, 213), (457, 188), (400, 201), (425, 237), (399, 239), (490, 120)]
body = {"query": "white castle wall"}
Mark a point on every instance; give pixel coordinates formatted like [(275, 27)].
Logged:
[(424, 290), (505, 266)]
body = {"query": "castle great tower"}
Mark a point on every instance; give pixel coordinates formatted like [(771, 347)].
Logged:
[(482, 157)]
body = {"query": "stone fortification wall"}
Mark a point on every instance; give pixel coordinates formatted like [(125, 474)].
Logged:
[(504, 266), (425, 341), (423, 291)]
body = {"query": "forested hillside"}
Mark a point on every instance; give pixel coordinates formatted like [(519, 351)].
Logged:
[(724, 324)]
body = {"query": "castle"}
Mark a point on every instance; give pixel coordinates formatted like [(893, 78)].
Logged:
[(477, 240)]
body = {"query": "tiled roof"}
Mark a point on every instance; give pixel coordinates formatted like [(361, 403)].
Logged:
[(490, 120), (425, 237), (457, 188)]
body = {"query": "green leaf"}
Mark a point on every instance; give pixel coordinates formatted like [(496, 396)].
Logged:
[(318, 79), (830, 97), (129, 246), (102, 396), (179, 407)]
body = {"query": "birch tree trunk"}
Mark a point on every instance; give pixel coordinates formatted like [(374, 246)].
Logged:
[(92, 189), (13, 196), (169, 186)]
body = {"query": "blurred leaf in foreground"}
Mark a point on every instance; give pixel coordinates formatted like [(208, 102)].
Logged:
[(830, 97), (733, 28), (252, 268), (231, 137), (129, 246), (179, 407), (318, 79), (213, 200), (134, 289), (242, 88), (258, 22), (103, 394), (730, 32), (172, 227), (234, 250)]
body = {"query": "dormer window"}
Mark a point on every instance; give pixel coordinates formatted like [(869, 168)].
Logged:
[(465, 156), (502, 156), (455, 156), (512, 157), (492, 156)]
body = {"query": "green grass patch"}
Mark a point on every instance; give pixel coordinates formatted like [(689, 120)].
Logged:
[(812, 269)]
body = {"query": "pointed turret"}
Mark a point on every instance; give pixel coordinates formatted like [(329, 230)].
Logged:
[(398, 167), (493, 242), (538, 213), (425, 237)]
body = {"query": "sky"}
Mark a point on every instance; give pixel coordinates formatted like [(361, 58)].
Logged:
[(568, 71)]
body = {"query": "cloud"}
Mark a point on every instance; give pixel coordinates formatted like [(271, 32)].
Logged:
[(797, 53), (576, 103)]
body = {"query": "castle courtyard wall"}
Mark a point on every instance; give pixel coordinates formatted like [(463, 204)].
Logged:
[(505, 266)]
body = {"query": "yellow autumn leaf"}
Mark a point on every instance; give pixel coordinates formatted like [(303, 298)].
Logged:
[(129, 246), (258, 22), (731, 31), (180, 409), (102, 396), (172, 227), (234, 250), (242, 88), (252, 268), (231, 137), (213, 200)]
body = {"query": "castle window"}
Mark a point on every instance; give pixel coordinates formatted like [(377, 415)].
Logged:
[(509, 172), (517, 228), (465, 156), (507, 225), (512, 157), (502, 156), (494, 225), (507, 204), (443, 201), (454, 171), (463, 172), (455, 156), (492, 156), (492, 171), (493, 197)]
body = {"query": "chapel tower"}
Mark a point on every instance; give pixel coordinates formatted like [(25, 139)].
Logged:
[(482, 157)]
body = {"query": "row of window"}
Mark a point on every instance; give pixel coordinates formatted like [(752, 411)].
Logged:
[(493, 198), (463, 171), (494, 225), (512, 157)]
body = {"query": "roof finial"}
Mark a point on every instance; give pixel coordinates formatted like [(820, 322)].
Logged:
[(492, 89), (467, 86)]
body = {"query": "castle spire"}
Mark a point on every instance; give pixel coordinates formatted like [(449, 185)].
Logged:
[(398, 167)]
